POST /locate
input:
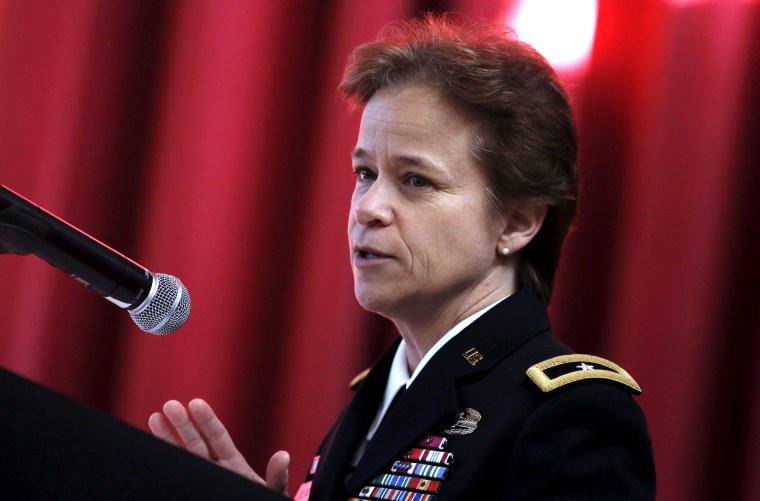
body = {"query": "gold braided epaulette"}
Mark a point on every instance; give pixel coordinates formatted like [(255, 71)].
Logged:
[(565, 369), (358, 379)]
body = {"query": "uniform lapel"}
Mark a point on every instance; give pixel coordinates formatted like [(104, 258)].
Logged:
[(418, 409), (432, 397), (351, 429)]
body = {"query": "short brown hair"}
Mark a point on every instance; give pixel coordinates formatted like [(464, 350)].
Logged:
[(527, 141)]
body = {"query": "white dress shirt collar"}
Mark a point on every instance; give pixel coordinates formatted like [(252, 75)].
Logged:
[(399, 374)]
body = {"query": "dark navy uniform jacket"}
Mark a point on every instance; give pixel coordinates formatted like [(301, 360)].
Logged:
[(503, 437)]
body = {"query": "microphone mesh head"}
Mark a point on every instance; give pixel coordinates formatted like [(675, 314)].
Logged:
[(165, 309)]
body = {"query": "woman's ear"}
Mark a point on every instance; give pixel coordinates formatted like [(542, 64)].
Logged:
[(522, 224)]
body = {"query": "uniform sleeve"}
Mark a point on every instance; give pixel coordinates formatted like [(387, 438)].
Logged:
[(586, 441)]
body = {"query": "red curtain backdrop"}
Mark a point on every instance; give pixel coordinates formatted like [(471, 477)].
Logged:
[(206, 139)]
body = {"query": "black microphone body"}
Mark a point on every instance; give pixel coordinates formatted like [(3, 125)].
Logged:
[(26, 228)]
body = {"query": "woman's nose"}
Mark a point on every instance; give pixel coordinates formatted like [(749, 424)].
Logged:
[(373, 206)]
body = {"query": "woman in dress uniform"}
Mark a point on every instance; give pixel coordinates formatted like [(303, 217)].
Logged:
[(466, 181)]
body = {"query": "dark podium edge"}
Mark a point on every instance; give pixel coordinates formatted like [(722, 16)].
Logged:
[(52, 447)]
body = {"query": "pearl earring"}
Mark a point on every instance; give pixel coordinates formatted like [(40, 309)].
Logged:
[(505, 251)]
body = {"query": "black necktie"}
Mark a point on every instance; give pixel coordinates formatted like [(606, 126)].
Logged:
[(363, 443)]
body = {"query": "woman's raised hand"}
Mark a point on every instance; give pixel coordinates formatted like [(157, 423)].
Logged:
[(197, 429)]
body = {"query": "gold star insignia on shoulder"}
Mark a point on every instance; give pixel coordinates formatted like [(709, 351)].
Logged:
[(565, 369), (356, 381)]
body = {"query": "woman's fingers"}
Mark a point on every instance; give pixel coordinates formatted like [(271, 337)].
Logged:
[(219, 441), (211, 428), (197, 429), (161, 428), (186, 431), (277, 472)]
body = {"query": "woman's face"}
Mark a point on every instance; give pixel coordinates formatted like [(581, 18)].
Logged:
[(420, 233)]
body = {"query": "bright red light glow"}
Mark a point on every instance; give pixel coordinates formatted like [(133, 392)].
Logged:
[(561, 30)]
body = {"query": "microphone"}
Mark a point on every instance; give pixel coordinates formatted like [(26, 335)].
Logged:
[(158, 303)]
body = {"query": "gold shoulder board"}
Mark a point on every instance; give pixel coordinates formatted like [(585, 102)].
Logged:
[(358, 379), (565, 369)]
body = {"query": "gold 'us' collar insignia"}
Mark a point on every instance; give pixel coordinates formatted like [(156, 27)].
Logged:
[(565, 369), (473, 356)]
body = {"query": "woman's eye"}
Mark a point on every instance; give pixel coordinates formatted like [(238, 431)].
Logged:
[(417, 181), (363, 174)]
